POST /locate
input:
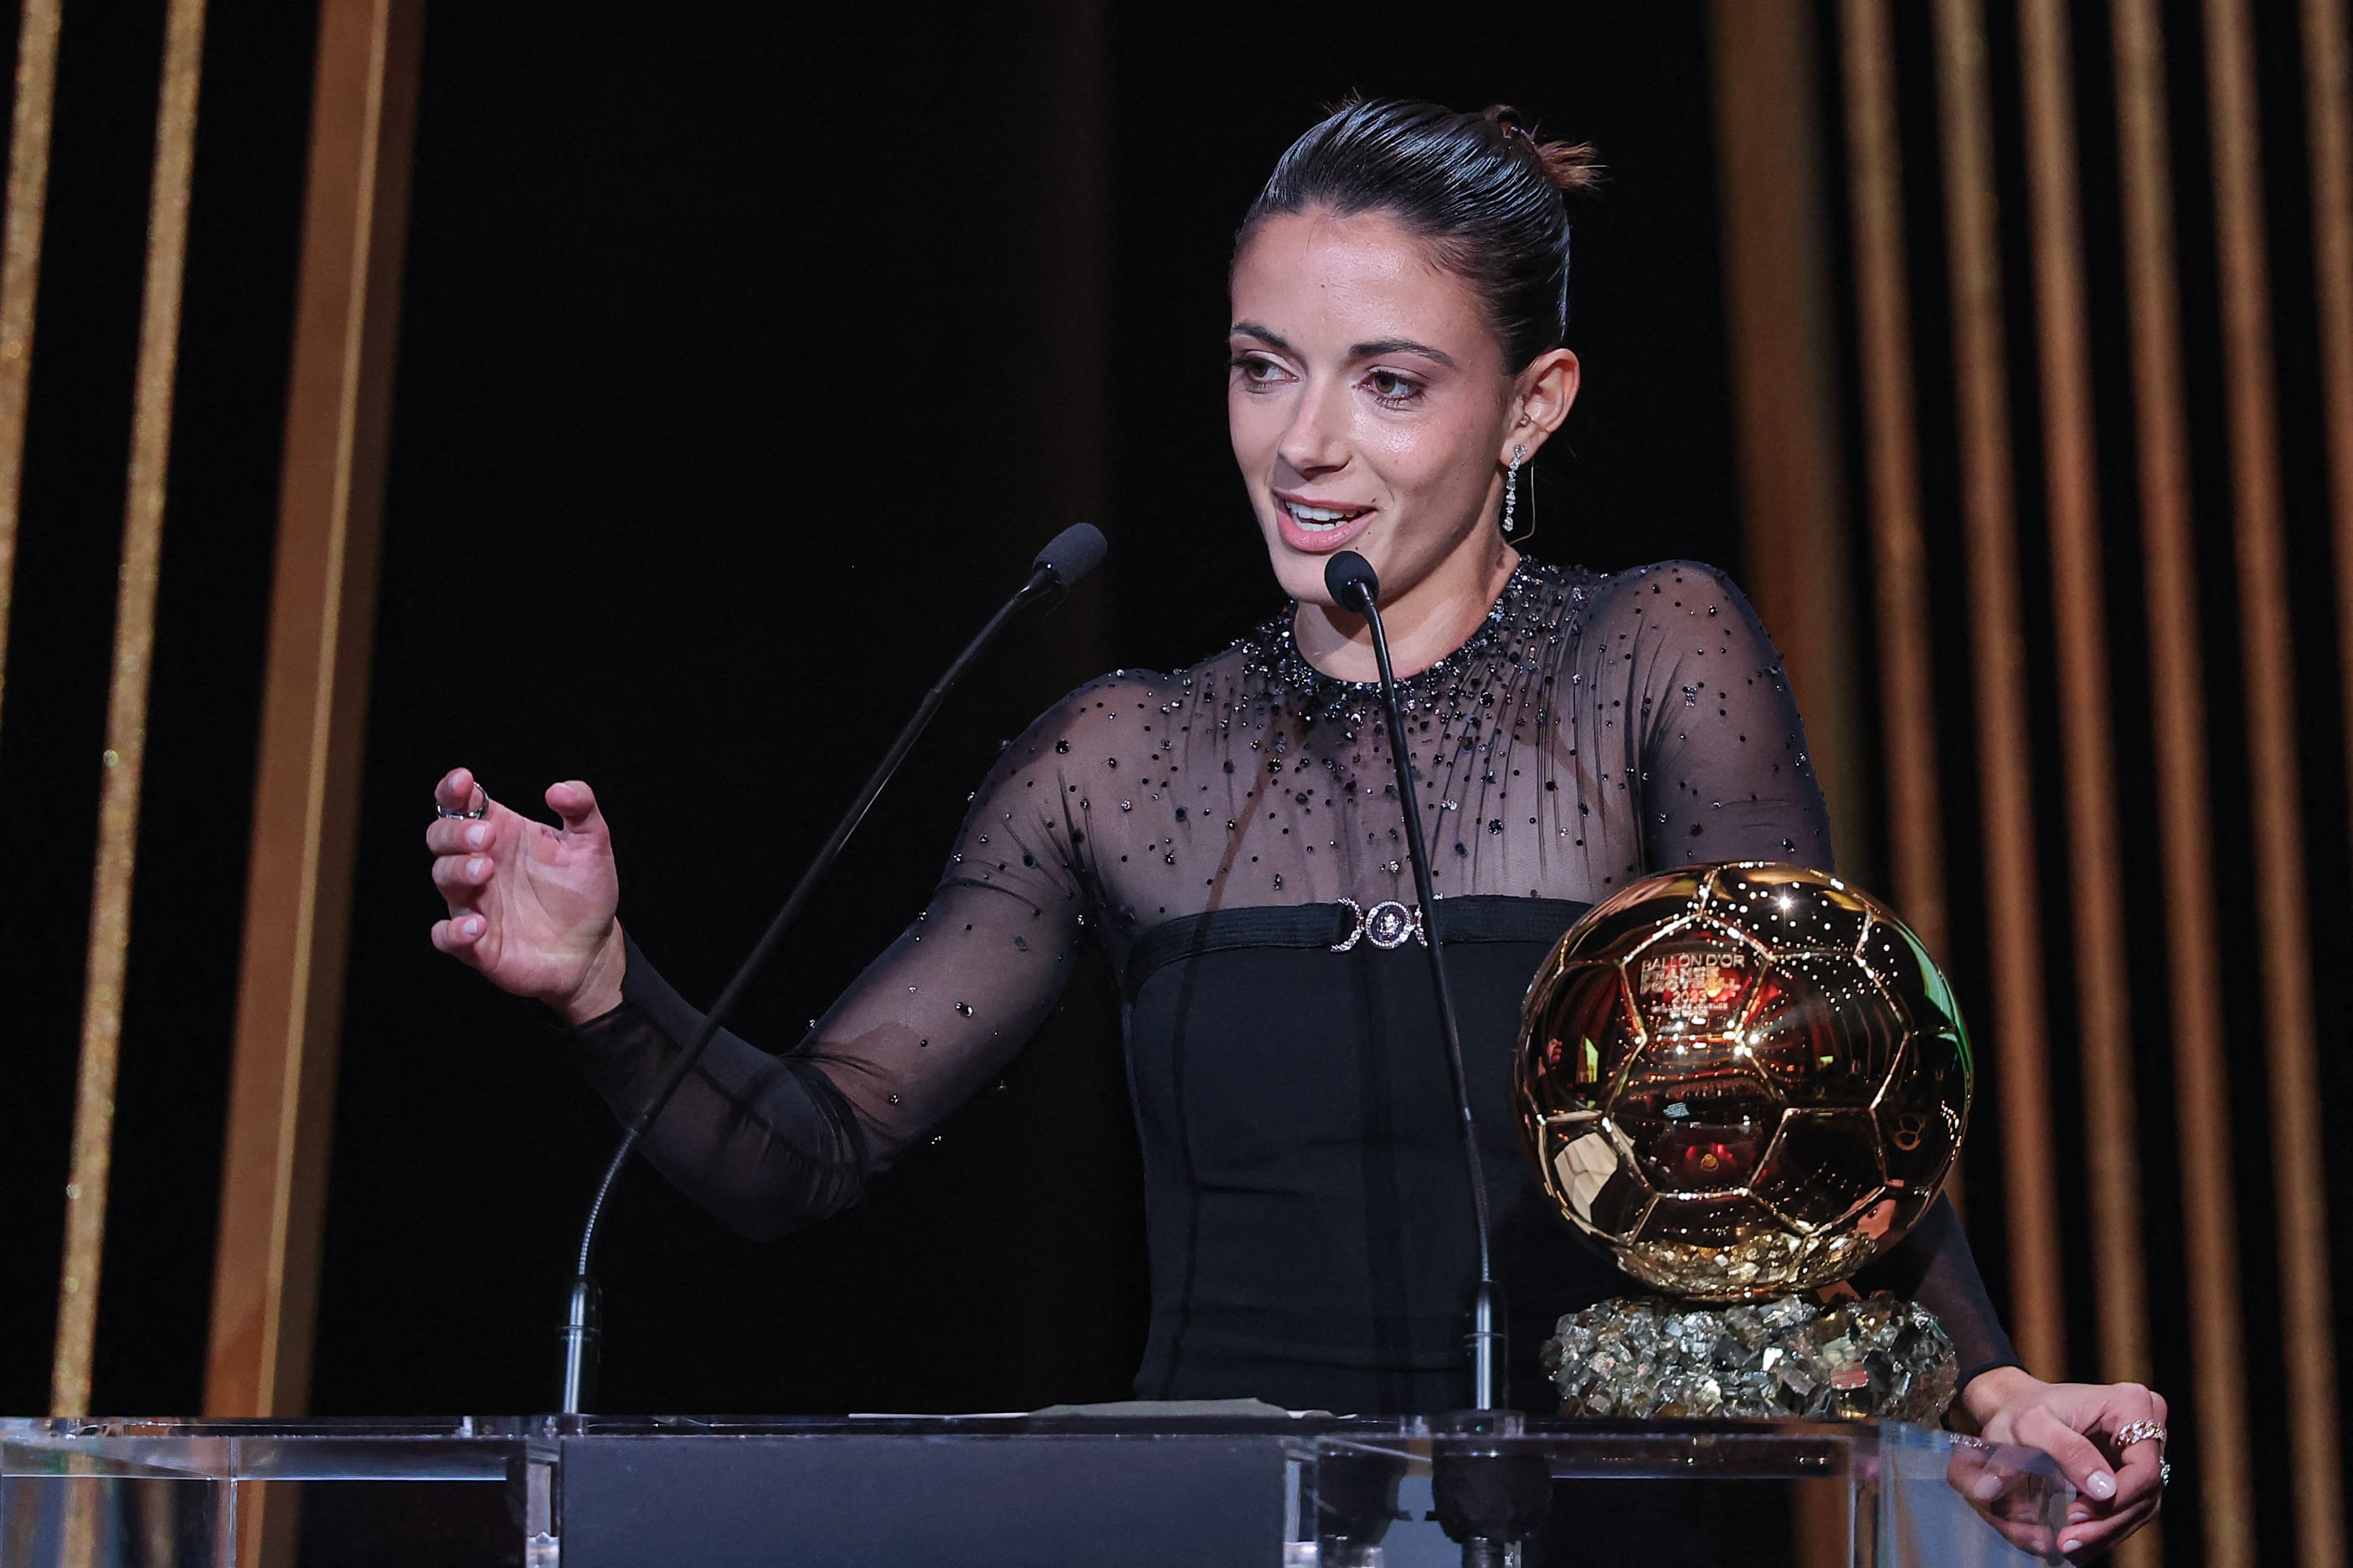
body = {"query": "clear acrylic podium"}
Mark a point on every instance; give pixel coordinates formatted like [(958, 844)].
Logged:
[(945, 1492)]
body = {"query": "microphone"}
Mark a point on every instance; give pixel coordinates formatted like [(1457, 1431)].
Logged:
[(1068, 556), (1350, 579)]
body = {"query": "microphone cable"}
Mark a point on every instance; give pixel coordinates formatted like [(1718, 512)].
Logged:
[(1352, 582), (1068, 556)]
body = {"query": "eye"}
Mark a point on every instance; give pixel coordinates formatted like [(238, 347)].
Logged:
[(1257, 372), (1392, 389)]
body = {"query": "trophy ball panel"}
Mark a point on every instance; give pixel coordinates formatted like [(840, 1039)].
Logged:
[(1789, 909), (1894, 955), (1694, 978), (1825, 1168), (1570, 1161), (1697, 1116), (1591, 1175), (1599, 1186), (1580, 1029), (1921, 1114), (1634, 914), (1824, 1031)]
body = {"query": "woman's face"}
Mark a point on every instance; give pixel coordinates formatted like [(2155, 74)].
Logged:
[(1368, 401)]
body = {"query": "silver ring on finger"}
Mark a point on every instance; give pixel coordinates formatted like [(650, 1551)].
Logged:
[(473, 813), (2139, 1432)]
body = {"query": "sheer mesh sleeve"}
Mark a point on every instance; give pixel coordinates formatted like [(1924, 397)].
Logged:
[(1690, 703), (771, 1143), (1721, 756)]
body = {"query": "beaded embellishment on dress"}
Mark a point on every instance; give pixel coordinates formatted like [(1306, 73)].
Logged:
[(1538, 604)]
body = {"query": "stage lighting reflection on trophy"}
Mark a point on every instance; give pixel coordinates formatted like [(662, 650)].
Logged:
[(1746, 1081)]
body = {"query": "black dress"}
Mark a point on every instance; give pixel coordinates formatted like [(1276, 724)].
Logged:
[(1228, 832)]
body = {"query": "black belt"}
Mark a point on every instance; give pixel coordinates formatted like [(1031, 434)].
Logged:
[(1477, 917)]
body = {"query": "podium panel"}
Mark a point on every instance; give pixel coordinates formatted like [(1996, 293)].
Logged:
[(1038, 1491), (1140, 1499)]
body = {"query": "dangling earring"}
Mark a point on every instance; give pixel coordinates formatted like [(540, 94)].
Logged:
[(1512, 499)]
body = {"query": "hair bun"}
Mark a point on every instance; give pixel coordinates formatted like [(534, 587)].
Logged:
[(1571, 166), (1480, 192)]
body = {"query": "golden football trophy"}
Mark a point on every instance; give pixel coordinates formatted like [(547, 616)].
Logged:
[(1746, 1081)]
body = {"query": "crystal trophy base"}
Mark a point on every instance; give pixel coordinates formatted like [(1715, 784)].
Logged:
[(1873, 1358)]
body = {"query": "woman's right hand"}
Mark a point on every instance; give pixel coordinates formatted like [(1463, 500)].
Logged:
[(531, 906)]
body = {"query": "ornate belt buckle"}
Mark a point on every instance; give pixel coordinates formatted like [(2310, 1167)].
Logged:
[(1386, 925)]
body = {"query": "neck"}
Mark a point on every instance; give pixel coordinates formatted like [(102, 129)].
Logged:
[(1425, 623)]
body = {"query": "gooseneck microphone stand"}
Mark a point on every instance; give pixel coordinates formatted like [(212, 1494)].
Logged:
[(1349, 578), (1070, 555)]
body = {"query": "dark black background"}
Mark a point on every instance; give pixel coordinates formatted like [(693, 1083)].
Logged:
[(745, 357), (748, 352)]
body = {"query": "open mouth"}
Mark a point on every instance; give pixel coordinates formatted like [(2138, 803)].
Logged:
[(1320, 519), (1319, 528)]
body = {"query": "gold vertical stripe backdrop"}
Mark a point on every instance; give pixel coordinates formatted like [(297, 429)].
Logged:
[(1899, 569), (2329, 110), (1781, 326), (2176, 670), (1892, 468), (2178, 661), (313, 715), (2268, 657), (2095, 871), (126, 716), (20, 271), (2005, 761)]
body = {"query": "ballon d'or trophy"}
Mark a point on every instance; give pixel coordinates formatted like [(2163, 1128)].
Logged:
[(1746, 1081)]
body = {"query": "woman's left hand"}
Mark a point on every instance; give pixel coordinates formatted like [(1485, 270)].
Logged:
[(2076, 1424)]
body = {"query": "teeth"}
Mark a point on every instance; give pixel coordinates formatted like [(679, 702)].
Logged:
[(1316, 519)]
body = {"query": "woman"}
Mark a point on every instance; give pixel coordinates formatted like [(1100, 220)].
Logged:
[(1399, 298)]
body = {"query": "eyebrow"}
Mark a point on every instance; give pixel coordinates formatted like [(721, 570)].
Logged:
[(1377, 348), (1252, 330), (1383, 347)]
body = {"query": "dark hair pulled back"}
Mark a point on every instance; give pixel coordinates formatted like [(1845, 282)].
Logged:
[(1479, 188)]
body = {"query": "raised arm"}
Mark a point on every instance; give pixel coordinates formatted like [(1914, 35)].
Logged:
[(767, 1142)]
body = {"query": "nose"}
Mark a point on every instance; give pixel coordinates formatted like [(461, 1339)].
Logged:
[(1315, 441)]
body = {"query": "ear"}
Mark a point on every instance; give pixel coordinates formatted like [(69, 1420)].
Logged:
[(1543, 393)]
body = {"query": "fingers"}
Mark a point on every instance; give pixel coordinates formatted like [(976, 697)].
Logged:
[(2127, 1403), (456, 835), (2140, 1468), (2009, 1500), (462, 863), (459, 934), (2097, 1534), (2079, 1458), (576, 802), (2140, 1476), (458, 876), (2095, 1525), (459, 791), (1970, 1474)]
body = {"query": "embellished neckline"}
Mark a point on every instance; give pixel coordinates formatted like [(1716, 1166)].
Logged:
[(1534, 599)]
